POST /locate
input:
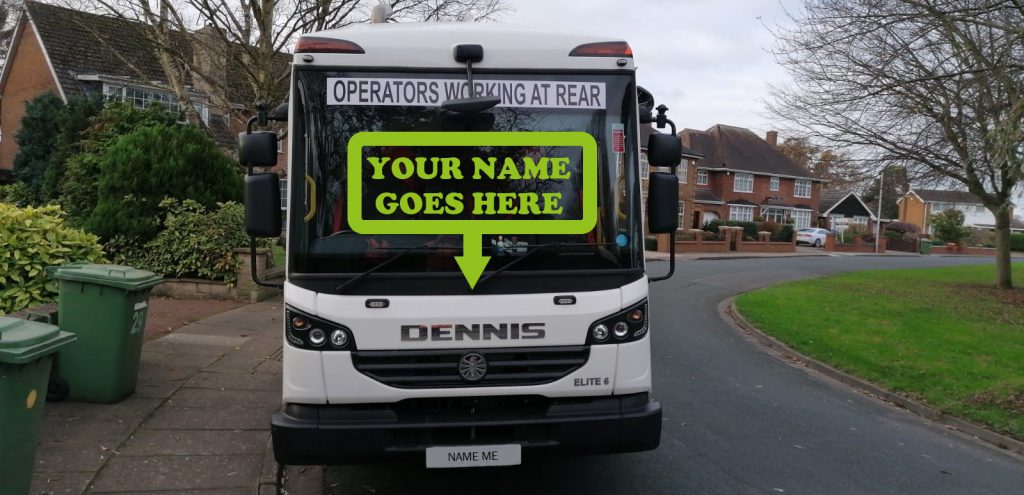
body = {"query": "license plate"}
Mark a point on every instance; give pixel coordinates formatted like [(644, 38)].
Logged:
[(474, 455)]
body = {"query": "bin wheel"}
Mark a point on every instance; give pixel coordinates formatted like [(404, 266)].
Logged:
[(57, 390)]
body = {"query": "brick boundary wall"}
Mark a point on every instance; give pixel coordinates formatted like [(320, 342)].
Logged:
[(243, 290), (858, 247), (970, 251)]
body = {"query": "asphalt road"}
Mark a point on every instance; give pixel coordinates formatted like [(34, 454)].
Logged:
[(738, 420)]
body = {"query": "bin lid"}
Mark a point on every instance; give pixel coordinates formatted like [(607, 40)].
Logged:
[(24, 341), (122, 277)]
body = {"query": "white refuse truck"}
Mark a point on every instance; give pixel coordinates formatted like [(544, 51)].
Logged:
[(391, 348)]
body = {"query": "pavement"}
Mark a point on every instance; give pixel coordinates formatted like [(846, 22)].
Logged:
[(736, 418), (801, 251), (198, 422)]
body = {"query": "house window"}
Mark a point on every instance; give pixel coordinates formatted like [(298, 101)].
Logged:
[(645, 167), (144, 98), (801, 219), (774, 184), (283, 184), (702, 177), (643, 203), (859, 220), (741, 213), (776, 215), (802, 188), (743, 183), (682, 171), (280, 146), (682, 217)]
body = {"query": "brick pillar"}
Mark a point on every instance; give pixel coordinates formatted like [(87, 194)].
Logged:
[(830, 242), (764, 236), (883, 243), (663, 242)]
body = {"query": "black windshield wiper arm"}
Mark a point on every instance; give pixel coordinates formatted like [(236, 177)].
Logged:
[(378, 266), (538, 248)]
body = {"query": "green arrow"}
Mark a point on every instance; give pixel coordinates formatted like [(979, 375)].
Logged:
[(472, 262)]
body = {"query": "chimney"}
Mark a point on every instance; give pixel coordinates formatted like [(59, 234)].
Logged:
[(772, 137)]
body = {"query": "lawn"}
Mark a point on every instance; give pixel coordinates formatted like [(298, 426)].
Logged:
[(278, 255), (942, 336)]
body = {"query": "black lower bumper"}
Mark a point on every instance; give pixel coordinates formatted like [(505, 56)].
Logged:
[(352, 434)]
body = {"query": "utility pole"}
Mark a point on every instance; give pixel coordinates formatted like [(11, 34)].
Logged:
[(878, 219)]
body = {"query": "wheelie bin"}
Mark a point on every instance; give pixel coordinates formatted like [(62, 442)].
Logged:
[(926, 246), (26, 356), (105, 306)]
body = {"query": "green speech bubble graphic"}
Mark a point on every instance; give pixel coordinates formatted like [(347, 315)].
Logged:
[(472, 262)]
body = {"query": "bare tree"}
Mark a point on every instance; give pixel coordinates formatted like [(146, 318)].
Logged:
[(932, 85), (238, 51)]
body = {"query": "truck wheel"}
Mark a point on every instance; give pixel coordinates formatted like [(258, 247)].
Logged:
[(57, 390)]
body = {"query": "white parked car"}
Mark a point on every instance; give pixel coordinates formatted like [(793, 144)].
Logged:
[(812, 236)]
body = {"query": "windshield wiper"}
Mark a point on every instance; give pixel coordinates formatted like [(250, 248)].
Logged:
[(538, 248), (380, 265)]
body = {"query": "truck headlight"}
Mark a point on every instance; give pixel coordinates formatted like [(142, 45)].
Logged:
[(309, 332), (627, 325)]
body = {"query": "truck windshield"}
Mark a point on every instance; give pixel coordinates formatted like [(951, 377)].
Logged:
[(321, 240)]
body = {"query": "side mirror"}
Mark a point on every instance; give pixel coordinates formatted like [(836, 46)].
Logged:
[(263, 205), (258, 149), (280, 113), (664, 150), (663, 203)]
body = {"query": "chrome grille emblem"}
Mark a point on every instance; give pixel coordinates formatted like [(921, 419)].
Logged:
[(472, 367)]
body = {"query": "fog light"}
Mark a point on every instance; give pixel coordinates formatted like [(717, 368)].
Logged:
[(621, 329), (600, 333), (299, 323), (636, 315), (339, 338), (317, 337)]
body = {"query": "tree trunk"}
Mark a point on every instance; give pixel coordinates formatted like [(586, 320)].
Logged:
[(1004, 274)]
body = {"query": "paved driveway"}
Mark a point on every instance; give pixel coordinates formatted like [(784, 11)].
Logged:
[(737, 420)]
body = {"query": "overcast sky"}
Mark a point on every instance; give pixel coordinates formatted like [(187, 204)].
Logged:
[(707, 60)]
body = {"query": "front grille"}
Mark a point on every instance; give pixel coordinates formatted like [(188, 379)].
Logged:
[(440, 368)]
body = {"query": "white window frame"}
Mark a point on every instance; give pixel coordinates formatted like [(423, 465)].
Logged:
[(773, 184), (739, 179), (741, 213), (645, 166), (801, 219), (682, 171), (283, 184), (777, 215), (702, 177), (802, 188), (682, 216), (120, 93)]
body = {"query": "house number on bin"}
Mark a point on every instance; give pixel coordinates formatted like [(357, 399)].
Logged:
[(138, 318)]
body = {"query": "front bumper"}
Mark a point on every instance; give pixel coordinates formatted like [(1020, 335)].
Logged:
[(360, 433)]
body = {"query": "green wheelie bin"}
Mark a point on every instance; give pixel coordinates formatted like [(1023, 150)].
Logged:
[(26, 355), (926, 246), (105, 307)]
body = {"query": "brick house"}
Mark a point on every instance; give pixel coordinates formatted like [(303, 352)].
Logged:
[(686, 171), (743, 177), (841, 209), (918, 205), (70, 52)]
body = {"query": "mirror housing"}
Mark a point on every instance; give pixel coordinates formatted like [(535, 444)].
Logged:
[(258, 149), (662, 203), (263, 205), (664, 150), (280, 113)]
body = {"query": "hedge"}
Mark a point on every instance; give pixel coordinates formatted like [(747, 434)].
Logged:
[(34, 239)]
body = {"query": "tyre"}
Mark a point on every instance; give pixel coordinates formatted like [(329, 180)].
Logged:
[(817, 243)]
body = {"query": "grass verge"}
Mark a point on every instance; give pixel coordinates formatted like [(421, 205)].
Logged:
[(278, 255), (942, 336)]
